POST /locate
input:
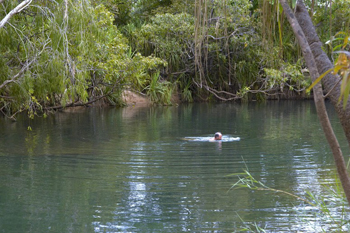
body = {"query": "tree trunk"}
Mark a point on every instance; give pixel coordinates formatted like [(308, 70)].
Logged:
[(318, 97), (331, 83)]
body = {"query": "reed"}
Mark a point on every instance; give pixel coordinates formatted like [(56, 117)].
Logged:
[(330, 207)]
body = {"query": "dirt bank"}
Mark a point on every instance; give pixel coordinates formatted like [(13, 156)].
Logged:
[(135, 99)]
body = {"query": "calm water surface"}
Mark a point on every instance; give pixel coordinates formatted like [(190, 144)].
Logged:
[(129, 170)]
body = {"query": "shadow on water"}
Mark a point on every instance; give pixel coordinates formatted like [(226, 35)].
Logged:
[(127, 170)]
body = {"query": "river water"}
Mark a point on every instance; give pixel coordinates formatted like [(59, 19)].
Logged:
[(132, 169)]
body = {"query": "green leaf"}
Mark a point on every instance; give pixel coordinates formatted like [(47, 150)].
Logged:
[(318, 79), (346, 91)]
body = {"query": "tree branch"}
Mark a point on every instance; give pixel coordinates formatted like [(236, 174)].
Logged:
[(76, 104), (24, 68), (13, 79), (16, 10)]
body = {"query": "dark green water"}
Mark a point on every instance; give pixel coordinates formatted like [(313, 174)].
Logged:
[(128, 170)]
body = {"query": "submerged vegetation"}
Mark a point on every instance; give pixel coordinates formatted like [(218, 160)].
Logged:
[(56, 54)]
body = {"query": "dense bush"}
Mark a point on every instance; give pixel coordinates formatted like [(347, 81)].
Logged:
[(64, 53), (54, 56)]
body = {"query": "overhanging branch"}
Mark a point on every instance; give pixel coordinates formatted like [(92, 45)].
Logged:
[(16, 10)]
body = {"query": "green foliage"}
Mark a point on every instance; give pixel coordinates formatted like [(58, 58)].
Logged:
[(233, 54), (187, 93), (121, 9), (160, 92), (66, 55), (331, 19), (60, 56), (176, 7), (166, 36), (147, 8), (169, 37), (288, 75)]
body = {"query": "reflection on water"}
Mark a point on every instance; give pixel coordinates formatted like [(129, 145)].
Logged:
[(125, 170)]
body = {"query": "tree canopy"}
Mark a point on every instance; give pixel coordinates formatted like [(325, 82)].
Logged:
[(56, 54)]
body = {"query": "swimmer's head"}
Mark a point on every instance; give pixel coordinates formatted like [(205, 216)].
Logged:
[(218, 136)]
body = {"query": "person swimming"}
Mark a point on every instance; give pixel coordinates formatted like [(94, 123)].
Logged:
[(217, 136)]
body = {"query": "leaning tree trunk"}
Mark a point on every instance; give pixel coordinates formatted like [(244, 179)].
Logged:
[(331, 83), (319, 100)]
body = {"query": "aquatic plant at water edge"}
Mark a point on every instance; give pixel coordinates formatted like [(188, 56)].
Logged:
[(330, 207)]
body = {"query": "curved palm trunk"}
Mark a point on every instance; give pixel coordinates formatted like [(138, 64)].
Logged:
[(318, 96), (331, 83)]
